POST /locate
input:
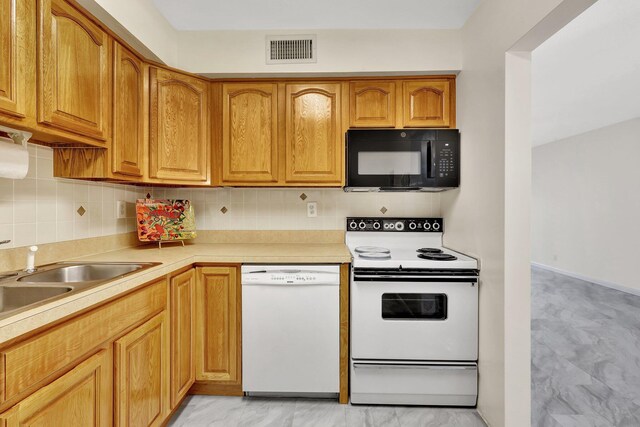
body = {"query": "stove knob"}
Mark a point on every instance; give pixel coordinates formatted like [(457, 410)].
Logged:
[(376, 226), (436, 226), (412, 226), (353, 225), (399, 226), (362, 225), (427, 226)]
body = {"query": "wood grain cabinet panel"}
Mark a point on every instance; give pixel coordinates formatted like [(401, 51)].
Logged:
[(74, 57), (313, 136), (372, 104), (427, 103), (141, 369), (128, 113), (17, 65), (183, 317), (34, 361), (81, 397), (249, 133), (179, 127), (218, 311)]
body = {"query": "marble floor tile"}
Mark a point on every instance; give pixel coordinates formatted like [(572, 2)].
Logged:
[(264, 412), (585, 362), (201, 411)]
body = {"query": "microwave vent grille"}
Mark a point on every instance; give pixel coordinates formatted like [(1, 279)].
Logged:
[(291, 49)]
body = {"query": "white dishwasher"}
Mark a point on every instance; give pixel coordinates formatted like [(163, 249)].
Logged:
[(291, 330)]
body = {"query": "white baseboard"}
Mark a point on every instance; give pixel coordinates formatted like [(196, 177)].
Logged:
[(604, 283)]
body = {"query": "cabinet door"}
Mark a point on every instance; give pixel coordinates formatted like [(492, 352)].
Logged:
[(81, 397), (183, 312), (179, 135), (75, 74), (17, 42), (372, 104), (314, 139), (218, 311), (427, 103), (141, 375), (128, 113), (249, 133)]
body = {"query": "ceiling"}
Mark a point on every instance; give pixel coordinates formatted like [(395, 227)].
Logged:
[(587, 76), (207, 15)]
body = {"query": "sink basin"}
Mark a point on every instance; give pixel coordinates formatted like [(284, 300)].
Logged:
[(14, 297), (82, 273), (21, 291)]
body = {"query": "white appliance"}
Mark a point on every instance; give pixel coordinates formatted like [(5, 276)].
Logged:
[(414, 315), (291, 330)]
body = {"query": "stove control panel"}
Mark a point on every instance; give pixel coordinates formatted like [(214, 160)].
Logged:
[(424, 225)]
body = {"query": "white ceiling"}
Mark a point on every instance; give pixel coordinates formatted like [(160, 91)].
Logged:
[(587, 76), (206, 15)]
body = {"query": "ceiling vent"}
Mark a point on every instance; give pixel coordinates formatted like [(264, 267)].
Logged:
[(291, 49)]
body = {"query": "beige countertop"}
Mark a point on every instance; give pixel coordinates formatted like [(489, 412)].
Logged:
[(172, 258)]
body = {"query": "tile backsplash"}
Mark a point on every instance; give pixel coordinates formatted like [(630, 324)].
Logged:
[(43, 209)]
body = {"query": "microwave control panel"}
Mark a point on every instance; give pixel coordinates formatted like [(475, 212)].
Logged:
[(446, 163), (425, 225)]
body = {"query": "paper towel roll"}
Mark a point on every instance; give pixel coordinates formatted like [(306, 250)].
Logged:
[(14, 159)]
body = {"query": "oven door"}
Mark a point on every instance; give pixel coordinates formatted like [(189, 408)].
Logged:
[(425, 319)]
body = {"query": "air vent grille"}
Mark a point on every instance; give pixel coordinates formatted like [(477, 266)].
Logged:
[(291, 49)]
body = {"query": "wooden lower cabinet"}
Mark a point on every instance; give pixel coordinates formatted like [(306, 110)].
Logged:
[(141, 366), (81, 397), (183, 318), (218, 326)]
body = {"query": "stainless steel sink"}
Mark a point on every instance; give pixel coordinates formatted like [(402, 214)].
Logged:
[(21, 291), (14, 297), (81, 273)]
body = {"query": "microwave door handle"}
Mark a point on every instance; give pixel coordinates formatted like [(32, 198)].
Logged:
[(432, 155)]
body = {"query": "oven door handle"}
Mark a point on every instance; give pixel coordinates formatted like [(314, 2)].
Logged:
[(416, 366)]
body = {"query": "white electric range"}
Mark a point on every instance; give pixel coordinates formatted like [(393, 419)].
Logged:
[(414, 315)]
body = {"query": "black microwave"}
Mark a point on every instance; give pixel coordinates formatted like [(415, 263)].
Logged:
[(402, 159)]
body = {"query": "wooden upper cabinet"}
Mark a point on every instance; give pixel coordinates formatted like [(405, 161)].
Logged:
[(313, 134), (81, 397), (141, 369), (17, 63), (428, 103), (249, 133), (183, 329), (372, 104), (218, 314), (128, 113), (179, 127), (74, 57)]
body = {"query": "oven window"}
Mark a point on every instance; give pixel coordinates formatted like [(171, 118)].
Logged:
[(414, 306), (389, 163)]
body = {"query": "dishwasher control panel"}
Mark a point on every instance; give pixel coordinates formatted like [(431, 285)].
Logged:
[(291, 275)]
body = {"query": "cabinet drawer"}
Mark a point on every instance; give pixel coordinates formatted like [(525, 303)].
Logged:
[(43, 356), (414, 383)]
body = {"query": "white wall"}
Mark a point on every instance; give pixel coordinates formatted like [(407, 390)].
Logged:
[(140, 24), (477, 214), (339, 51), (586, 204), (586, 76)]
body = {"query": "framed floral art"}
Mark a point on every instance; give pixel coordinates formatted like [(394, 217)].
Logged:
[(160, 220)]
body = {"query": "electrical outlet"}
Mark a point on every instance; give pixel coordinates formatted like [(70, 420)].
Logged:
[(312, 209), (121, 209)]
